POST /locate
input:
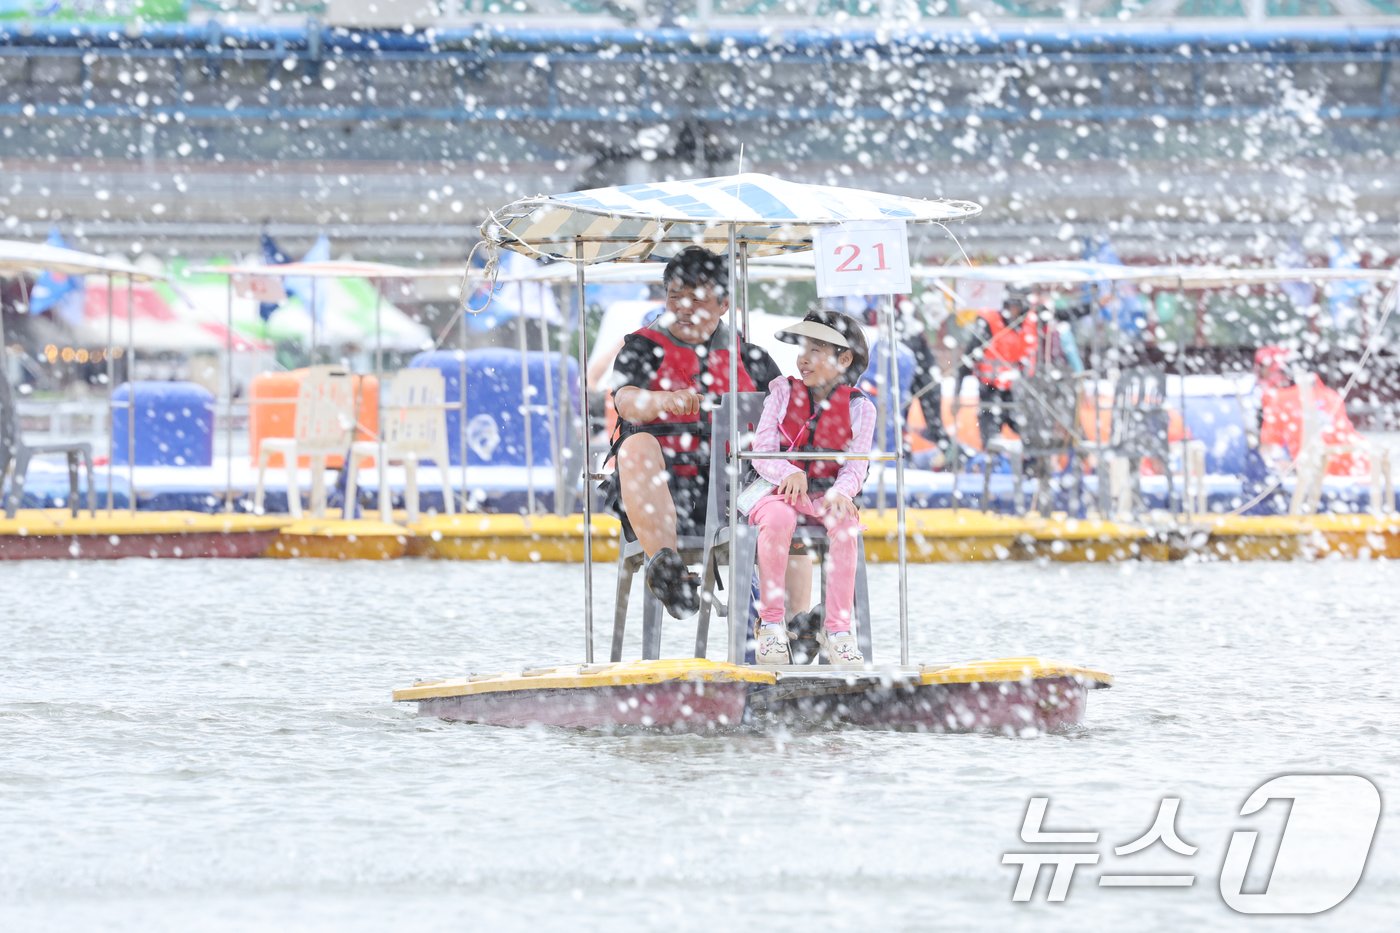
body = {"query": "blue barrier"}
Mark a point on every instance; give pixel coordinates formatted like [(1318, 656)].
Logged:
[(495, 424), (1219, 421), (174, 424)]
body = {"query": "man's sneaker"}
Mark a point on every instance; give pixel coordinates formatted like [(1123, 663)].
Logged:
[(804, 634), (841, 648), (673, 583), (772, 647)]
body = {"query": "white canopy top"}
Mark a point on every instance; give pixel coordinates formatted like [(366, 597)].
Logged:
[(330, 269), (636, 222), (20, 256), (1188, 277)]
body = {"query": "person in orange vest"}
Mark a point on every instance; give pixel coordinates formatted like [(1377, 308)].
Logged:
[(666, 379), (1002, 347), (1284, 386)]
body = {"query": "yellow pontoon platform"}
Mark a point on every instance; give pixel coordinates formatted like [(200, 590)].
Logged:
[(1007, 695)]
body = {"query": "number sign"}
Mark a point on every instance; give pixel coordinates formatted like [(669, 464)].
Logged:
[(980, 296), (863, 257)]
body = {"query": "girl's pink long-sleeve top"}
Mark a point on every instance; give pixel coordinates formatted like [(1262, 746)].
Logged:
[(769, 437)]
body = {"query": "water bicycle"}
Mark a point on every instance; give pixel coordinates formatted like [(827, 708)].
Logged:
[(749, 216)]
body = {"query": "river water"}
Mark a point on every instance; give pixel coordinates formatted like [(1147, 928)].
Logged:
[(211, 745)]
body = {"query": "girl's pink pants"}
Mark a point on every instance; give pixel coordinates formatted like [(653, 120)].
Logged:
[(776, 521)]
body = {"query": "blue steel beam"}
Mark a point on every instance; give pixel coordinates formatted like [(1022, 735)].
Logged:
[(307, 48), (1226, 38)]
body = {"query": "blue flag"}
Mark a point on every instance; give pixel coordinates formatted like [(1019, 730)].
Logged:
[(301, 287), (1344, 297), (273, 256), (1118, 302), (1293, 257), (54, 290)]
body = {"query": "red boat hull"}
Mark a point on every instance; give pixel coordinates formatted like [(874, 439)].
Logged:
[(676, 706), (107, 547), (1008, 708)]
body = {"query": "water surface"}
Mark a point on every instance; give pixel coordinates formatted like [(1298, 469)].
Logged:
[(211, 745)]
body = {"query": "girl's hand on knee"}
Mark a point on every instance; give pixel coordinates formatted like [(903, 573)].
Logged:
[(840, 506), (793, 488)]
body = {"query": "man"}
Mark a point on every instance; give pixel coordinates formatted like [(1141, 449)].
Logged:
[(925, 387), (666, 380), (1002, 347)]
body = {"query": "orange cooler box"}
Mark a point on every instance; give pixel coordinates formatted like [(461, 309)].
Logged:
[(273, 411)]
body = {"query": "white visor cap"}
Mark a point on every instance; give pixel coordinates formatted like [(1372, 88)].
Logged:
[(815, 330)]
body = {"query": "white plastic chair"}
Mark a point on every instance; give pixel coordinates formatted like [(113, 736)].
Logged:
[(1312, 460), (413, 428), (325, 423), (1122, 488)]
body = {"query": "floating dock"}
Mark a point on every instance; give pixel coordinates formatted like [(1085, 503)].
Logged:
[(933, 536)]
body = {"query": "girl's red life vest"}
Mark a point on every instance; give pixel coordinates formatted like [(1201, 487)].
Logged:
[(1011, 351), (680, 367), (827, 428)]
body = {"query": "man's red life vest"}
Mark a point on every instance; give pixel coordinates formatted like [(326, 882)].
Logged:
[(1010, 353), (680, 367), (828, 428)]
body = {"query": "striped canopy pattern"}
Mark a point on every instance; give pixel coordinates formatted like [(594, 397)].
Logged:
[(656, 220)]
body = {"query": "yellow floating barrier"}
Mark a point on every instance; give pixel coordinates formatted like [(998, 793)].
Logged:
[(1356, 536), (341, 539), (1243, 537), (527, 539), (39, 534)]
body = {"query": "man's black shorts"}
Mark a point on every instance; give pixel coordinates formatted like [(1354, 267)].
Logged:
[(690, 494)]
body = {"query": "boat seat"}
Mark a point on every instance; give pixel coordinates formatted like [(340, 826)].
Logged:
[(711, 550), (629, 562)]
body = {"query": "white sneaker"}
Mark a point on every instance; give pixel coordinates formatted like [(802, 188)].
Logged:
[(841, 648), (772, 648)]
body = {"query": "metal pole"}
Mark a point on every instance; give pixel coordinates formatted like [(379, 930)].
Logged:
[(111, 389), (130, 402), (555, 435), (5, 357), (738, 602), (888, 365), (561, 415), (1100, 464), (382, 471), (462, 412), (311, 356), (744, 279), (228, 407), (1181, 374), (525, 402), (897, 411), (587, 465)]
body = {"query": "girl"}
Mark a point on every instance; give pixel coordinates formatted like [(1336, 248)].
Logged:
[(819, 411)]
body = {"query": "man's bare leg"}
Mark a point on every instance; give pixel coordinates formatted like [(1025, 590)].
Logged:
[(799, 584), (646, 494)]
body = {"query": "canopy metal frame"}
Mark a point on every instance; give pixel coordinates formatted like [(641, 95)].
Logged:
[(798, 234), (17, 256)]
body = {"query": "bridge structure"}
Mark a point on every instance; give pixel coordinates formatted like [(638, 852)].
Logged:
[(1190, 129)]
